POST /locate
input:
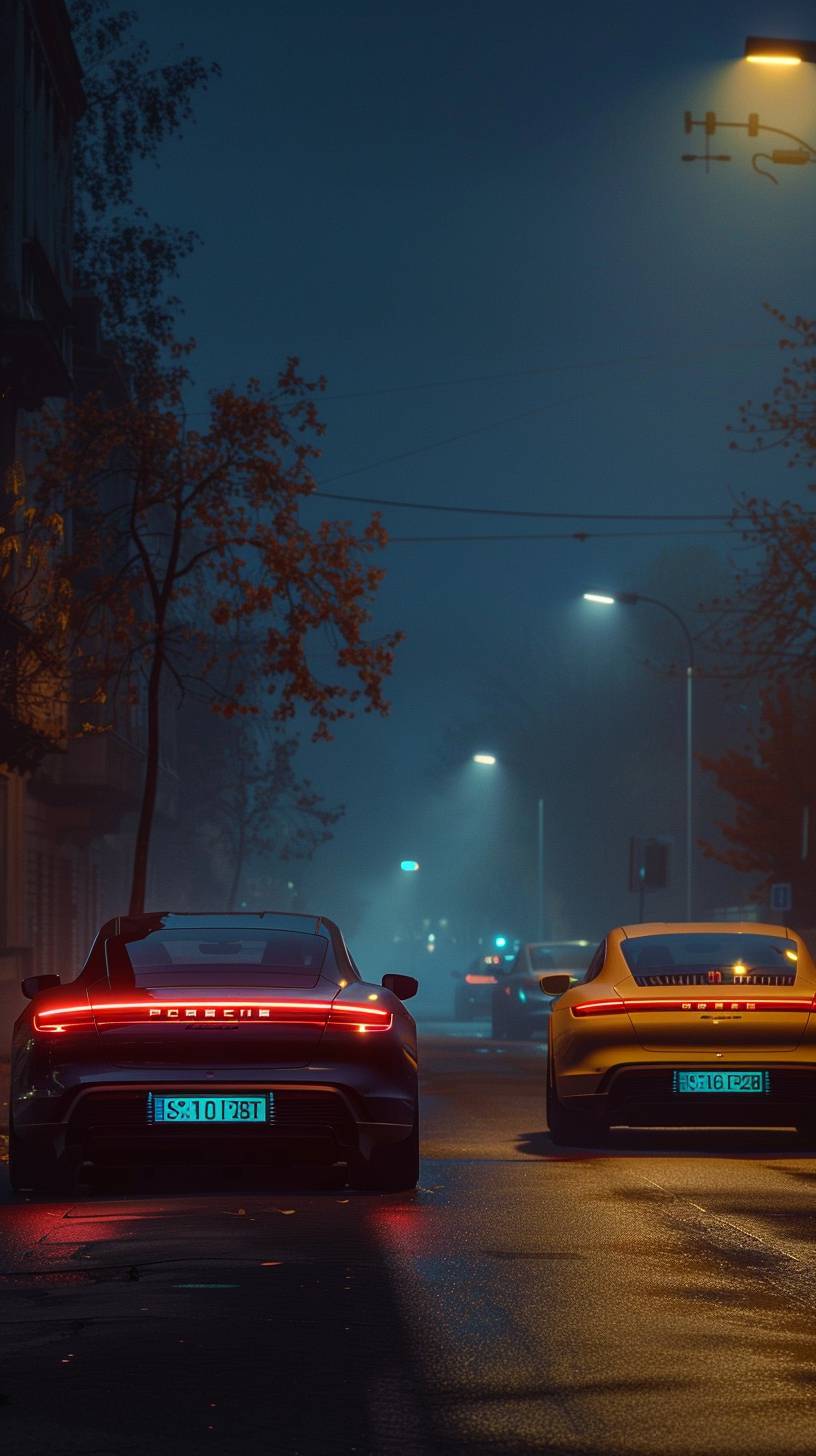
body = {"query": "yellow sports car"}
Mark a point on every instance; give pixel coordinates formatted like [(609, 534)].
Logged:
[(692, 1024)]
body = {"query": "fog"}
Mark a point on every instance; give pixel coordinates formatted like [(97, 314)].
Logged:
[(478, 225)]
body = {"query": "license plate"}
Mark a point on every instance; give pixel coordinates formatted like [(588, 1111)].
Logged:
[(182, 1108), (730, 1082)]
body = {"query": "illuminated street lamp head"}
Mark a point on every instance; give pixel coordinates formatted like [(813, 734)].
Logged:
[(599, 597), (410, 866), (770, 51), (486, 758)]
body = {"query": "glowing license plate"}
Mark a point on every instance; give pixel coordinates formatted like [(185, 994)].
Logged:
[(722, 1082), (183, 1108)]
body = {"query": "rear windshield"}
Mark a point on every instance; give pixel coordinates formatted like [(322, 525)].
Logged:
[(559, 957), (211, 956), (709, 952)]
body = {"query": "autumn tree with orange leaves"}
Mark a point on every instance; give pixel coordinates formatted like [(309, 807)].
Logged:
[(773, 783), (34, 628), (186, 538), (766, 632)]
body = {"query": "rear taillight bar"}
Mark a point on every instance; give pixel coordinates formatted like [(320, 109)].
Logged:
[(475, 980), (350, 1015), (619, 1006), (59, 1019), (359, 1018)]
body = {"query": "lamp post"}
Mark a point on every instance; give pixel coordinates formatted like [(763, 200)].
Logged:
[(488, 760), (632, 599)]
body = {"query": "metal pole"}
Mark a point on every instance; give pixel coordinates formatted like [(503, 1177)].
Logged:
[(689, 787), (541, 869), (631, 599)]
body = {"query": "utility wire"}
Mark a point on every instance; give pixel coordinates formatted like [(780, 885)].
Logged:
[(452, 439), (633, 361), (371, 500), (560, 536), (496, 378)]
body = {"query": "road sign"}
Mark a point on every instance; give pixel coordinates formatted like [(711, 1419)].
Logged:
[(781, 896)]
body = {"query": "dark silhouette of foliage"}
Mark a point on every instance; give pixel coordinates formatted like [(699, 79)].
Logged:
[(766, 631), (771, 788), (185, 536), (121, 254), (248, 802)]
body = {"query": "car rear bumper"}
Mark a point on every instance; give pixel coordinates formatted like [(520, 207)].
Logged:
[(316, 1121), (644, 1094)]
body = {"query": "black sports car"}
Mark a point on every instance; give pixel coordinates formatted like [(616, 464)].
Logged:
[(215, 1038)]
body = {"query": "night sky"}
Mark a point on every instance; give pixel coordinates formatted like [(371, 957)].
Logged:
[(474, 220)]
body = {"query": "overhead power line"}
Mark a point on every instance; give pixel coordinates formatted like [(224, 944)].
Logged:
[(624, 362), (559, 536), (496, 378), (371, 500)]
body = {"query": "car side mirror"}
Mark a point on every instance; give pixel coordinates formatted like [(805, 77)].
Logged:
[(556, 983), (33, 985), (403, 986)]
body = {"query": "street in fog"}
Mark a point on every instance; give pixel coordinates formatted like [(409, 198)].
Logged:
[(658, 1295)]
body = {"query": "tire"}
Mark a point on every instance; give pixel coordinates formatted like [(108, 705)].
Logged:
[(393, 1168), (806, 1129), (515, 1030), (36, 1172), (568, 1127), (462, 1009)]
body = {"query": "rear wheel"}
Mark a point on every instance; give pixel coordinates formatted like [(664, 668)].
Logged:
[(806, 1128), (36, 1170), (498, 1030), (462, 1008), (568, 1127), (392, 1168)]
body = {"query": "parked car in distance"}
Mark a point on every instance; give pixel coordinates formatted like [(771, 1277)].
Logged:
[(472, 998), (520, 1009)]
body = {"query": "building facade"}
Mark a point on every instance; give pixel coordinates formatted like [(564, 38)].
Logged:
[(67, 803)]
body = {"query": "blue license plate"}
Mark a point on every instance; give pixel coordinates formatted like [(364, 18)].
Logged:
[(729, 1082), (179, 1109)]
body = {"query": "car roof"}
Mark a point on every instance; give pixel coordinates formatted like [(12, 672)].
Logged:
[(703, 927), (263, 919), (542, 944)]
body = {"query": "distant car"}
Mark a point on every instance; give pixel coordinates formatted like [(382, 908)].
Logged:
[(520, 1009), (472, 998), (693, 1024), (239, 1038)]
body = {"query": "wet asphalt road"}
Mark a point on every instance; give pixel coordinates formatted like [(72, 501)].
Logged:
[(658, 1296)]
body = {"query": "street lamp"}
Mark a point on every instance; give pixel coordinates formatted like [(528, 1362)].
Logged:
[(769, 51), (632, 599), (488, 760)]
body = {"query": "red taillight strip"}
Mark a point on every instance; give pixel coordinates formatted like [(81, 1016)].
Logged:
[(194, 1011), (620, 1006), (359, 1018), (474, 980), (58, 1019)]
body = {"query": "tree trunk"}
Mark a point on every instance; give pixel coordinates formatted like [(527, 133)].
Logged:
[(138, 887), (239, 865)]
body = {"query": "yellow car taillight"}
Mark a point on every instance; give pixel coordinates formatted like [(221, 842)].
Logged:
[(618, 1006)]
